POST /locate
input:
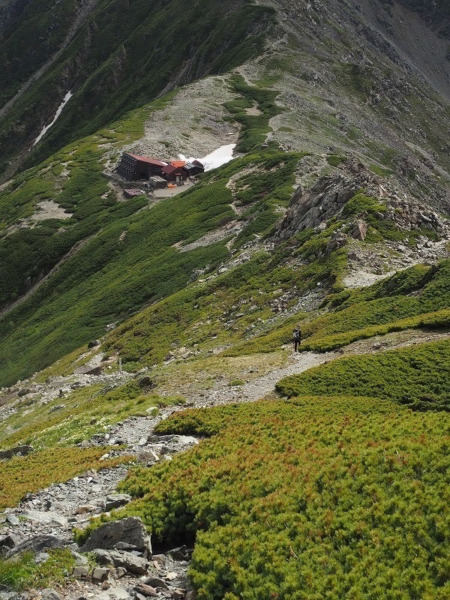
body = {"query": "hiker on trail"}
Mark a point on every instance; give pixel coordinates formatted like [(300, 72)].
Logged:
[(297, 338)]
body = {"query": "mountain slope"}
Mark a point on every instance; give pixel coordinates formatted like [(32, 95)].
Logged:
[(121, 56), (116, 313)]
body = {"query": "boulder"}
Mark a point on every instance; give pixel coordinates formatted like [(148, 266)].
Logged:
[(182, 553), (146, 590), (116, 500), (50, 594), (100, 575), (132, 563), (12, 520), (156, 582), (94, 344), (8, 542), (37, 544), (130, 531), (95, 371), (46, 517), (337, 240), (359, 231), (81, 572)]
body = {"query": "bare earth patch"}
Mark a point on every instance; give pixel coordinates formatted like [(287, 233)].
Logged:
[(48, 209)]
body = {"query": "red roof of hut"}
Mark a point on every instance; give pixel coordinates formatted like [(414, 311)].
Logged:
[(150, 161)]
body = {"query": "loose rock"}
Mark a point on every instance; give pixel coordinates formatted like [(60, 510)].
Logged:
[(130, 530)]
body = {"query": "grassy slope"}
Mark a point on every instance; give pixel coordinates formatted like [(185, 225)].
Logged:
[(416, 297), (123, 58), (128, 258), (306, 499), (418, 376)]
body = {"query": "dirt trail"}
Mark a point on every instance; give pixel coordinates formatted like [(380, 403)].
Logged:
[(57, 509)]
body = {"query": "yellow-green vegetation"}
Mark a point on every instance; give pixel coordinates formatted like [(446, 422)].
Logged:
[(68, 421), (417, 376), (29, 474), (314, 497), (21, 572), (202, 374), (414, 298)]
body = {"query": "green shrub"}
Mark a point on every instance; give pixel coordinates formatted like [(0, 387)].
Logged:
[(417, 376), (313, 498)]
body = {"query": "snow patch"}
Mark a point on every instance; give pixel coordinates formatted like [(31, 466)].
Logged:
[(216, 159), (66, 99)]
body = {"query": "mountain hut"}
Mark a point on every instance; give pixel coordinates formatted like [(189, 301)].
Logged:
[(134, 167)]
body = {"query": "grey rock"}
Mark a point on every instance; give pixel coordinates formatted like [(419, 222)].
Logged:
[(359, 232), (146, 590), (157, 582), (160, 559), (41, 557), (50, 594), (95, 371), (47, 517), (130, 530), (12, 520), (116, 500), (8, 542), (81, 572), (100, 575), (37, 544), (182, 553), (126, 560), (80, 560)]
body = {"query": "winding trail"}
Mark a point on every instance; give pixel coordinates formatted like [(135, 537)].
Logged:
[(57, 509)]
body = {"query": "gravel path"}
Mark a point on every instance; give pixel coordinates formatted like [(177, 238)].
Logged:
[(262, 386), (56, 510)]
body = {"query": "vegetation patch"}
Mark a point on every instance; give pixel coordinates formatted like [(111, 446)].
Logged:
[(311, 498), (68, 421), (22, 572), (26, 475), (414, 298), (417, 376), (254, 128)]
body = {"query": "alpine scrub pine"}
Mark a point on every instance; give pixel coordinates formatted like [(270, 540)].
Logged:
[(418, 377), (307, 499)]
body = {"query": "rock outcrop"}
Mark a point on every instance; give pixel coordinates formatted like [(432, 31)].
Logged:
[(126, 531)]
